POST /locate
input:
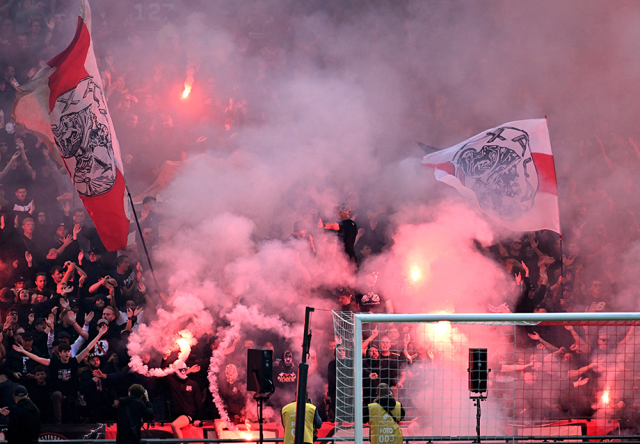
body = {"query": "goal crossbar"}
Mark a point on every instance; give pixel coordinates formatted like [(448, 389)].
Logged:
[(492, 318)]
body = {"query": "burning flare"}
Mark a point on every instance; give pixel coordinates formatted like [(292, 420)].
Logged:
[(605, 397), (187, 90), (415, 274), (247, 435)]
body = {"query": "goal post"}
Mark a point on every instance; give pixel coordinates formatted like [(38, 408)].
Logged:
[(604, 377)]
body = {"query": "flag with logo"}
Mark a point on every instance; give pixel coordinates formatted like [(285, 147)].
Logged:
[(508, 172), (66, 106)]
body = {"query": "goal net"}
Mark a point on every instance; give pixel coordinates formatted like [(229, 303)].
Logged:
[(555, 374)]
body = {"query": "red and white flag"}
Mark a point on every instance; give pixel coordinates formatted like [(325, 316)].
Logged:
[(508, 172), (64, 104)]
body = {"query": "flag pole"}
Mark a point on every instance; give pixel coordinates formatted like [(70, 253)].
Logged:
[(144, 244), (560, 226)]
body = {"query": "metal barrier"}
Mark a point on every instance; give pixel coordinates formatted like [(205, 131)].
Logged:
[(631, 439)]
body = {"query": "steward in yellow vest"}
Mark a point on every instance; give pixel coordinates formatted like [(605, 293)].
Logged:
[(312, 421), (383, 416)]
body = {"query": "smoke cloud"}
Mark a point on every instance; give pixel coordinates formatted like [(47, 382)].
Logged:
[(324, 105)]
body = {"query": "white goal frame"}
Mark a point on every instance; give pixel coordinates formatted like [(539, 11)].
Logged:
[(489, 318)]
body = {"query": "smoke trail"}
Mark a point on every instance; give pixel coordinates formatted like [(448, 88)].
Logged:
[(238, 317), (214, 369)]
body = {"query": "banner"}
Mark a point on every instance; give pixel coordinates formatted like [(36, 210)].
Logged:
[(65, 105), (508, 172)]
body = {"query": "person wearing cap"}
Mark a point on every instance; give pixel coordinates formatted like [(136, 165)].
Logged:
[(18, 366), (18, 284), (112, 341), (98, 396), (346, 228), (383, 416), (24, 419), (132, 411)]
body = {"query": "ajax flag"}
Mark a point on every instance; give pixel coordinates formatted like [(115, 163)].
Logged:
[(508, 172), (65, 105)]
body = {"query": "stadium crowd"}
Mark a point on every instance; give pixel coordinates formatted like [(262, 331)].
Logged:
[(68, 306)]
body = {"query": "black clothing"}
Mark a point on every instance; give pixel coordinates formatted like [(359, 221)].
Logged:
[(98, 397), (41, 397), (233, 395), (124, 281), (70, 253), (347, 233), (331, 378), (526, 304), (19, 363), (24, 423), (95, 270), (70, 330), (64, 377), (131, 414), (186, 398), (6, 397), (371, 301)]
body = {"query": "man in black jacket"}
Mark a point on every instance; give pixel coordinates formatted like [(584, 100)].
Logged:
[(131, 413), (24, 419)]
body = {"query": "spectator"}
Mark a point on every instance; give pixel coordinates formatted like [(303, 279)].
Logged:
[(40, 393), (99, 397), (186, 399), (24, 419), (64, 371), (346, 228), (132, 411), (300, 231), (126, 280)]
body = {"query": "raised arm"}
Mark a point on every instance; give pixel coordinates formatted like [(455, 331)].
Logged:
[(95, 287), (581, 346), (23, 154), (69, 273), (629, 335), (9, 167), (101, 331), (83, 275), (366, 342), (36, 358), (536, 337)]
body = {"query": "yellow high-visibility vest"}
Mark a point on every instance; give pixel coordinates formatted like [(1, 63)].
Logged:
[(383, 429), (289, 422)]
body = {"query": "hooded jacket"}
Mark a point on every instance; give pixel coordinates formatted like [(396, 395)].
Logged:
[(24, 423), (131, 413)]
